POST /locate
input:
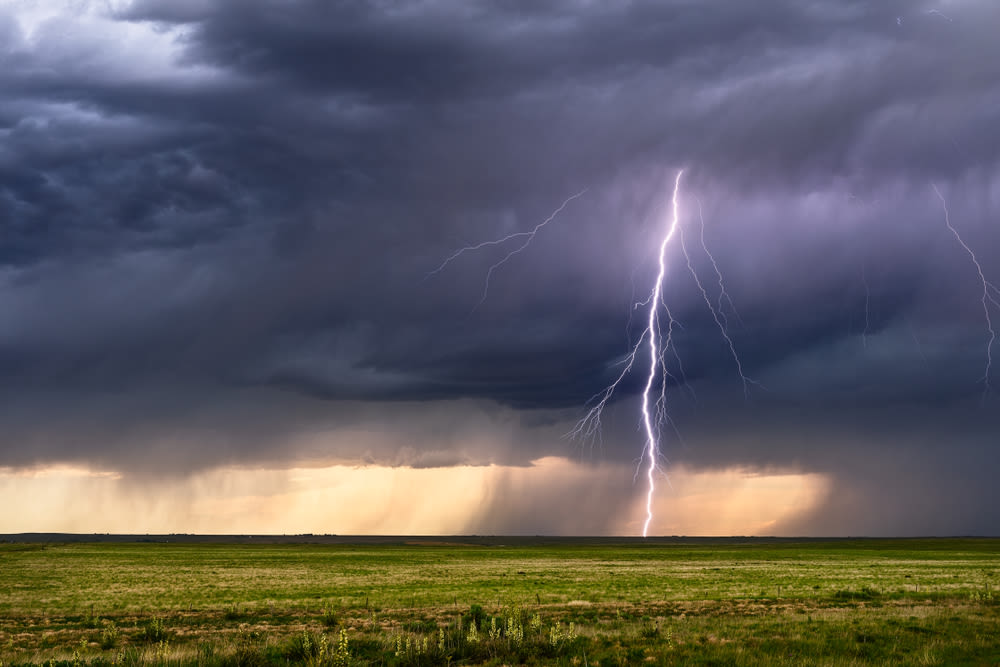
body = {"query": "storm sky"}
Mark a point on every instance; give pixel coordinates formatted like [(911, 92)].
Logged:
[(220, 223)]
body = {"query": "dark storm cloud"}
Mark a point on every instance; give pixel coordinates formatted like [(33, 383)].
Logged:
[(217, 221)]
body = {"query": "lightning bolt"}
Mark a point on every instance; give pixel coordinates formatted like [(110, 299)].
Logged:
[(589, 426), (723, 293), (658, 337), (936, 12), (659, 345), (987, 298), (717, 314), (528, 237), (652, 449)]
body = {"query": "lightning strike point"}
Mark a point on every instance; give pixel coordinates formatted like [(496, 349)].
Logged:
[(658, 336), (652, 443)]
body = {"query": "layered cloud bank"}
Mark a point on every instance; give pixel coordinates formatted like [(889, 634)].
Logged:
[(218, 223)]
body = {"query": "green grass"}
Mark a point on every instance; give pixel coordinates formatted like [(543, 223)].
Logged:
[(859, 602)]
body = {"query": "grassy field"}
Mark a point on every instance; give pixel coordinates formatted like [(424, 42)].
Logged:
[(879, 602)]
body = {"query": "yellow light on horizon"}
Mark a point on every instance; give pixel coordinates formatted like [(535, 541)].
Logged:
[(553, 495)]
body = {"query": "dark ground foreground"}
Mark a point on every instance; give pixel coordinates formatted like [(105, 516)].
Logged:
[(334, 600)]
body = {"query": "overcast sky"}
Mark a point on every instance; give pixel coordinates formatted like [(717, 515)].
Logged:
[(220, 223)]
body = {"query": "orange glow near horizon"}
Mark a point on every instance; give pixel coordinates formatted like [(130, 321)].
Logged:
[(554, 495)]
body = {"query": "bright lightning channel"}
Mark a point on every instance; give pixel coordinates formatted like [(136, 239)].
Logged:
[(652, 450), (658, 336), (589, 426), (987, 298)]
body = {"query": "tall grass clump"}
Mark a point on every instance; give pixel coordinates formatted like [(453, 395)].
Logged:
[(312, 649), (154, 631), (109, 636), (329, 617)]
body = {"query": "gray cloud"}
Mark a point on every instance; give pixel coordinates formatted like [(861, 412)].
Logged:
[(217, 222)]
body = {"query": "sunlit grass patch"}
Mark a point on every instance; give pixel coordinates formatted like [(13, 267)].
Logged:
[(869, 602)]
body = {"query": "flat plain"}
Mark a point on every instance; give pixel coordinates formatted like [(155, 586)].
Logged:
[(500, 601)]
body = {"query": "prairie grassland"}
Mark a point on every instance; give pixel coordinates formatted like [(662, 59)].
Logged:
[(877, 602)]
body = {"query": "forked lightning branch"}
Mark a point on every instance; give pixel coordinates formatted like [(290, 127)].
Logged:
[(657, 336), (656, 342)]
